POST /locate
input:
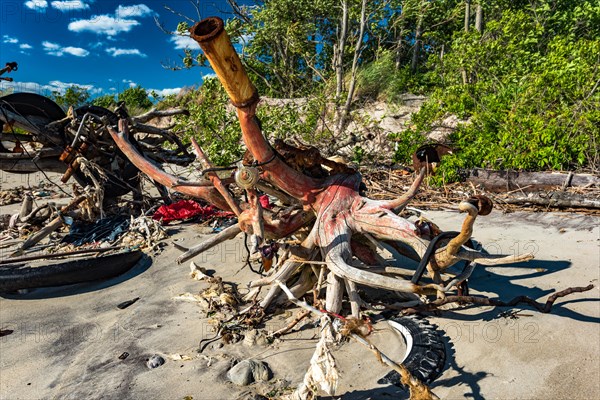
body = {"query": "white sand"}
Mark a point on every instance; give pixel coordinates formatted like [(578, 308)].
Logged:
[(67, 341)]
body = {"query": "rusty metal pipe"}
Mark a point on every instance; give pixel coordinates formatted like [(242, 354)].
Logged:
[(211, 36)]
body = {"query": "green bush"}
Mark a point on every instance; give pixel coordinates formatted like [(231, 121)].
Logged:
[(530, 98)]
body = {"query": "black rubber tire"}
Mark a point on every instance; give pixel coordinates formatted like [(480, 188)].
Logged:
[(427, 358), (16, 277), (34, 105)]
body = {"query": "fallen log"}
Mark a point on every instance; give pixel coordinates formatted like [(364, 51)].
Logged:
[(57, 255), (501, 181), (553, 199)]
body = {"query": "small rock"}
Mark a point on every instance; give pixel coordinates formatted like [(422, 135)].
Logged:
[(248, 371), (255, 337), (155, 361)]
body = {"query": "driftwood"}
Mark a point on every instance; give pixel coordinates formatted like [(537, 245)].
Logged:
[(502, 181), (53, 225), (57, 255), (331, 208), (326, 219), (483, 301), (553, 199)]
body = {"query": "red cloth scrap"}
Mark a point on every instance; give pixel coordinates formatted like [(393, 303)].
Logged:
[(186, 209)]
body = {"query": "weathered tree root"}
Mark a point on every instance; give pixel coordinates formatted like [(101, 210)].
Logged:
[(483, 301), (335, 224), (334, 201)]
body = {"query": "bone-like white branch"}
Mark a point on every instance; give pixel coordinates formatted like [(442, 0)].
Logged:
[(154, 113)]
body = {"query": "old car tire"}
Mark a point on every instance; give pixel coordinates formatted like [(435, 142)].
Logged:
[(16, 277), (427, 356)]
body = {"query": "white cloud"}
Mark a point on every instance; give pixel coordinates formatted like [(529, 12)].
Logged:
[(76, 51), (247, 38), (38, 5), (49, 46), (62, 86), (8, 39), (70, 5), (25, 46), (52, 86), (58, 86), (184, 42), (137, 10), (123, 20), (103, 25), (124, 52), (209, 76), (164, 92), (130, 82), (55, 49)]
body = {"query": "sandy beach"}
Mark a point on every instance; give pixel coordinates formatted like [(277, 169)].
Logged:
[(66, 341)]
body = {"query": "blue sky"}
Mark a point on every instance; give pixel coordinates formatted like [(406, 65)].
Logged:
[(103, 45)]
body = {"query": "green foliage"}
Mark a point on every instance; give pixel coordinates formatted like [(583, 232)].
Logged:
[(211, 122), (381, 80), (301, 119), (214, 124), (405, 144), (527, 84), (530, 96), (287, 44), (358, 154), (136, 98), (106, 101), (75, 96)]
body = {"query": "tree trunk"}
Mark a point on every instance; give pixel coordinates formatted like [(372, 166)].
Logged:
[(553, 199), (339, 56), (400, 38), (415, 58), (467, 14), (463, 72), (357, 50), (479, 18)]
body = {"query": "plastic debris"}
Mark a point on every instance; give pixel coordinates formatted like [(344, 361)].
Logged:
[(185, 210), (103, 230)]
